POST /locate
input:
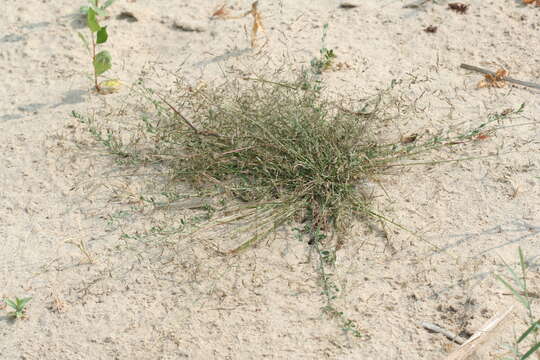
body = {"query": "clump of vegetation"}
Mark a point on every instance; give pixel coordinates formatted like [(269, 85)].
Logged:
[(283, 150), (18, 306)]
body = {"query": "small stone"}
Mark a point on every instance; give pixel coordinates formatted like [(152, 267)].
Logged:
[(127, 16), (133, 12), (189, 26), (349, 4)]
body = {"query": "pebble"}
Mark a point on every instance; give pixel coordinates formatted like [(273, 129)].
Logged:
[(349, 4), (190, 26)]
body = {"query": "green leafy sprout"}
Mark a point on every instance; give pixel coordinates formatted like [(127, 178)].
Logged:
[(18, 306), (94, 5), (101, 61), (327, 56)]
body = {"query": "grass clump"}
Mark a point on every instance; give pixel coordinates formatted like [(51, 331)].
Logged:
[(284, 150), (281, 148)]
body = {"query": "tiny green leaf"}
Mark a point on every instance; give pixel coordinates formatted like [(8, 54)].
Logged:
[(84, 10), (102, 62), (11, 303), (91, 20), (108, 3), (22, 302), (102, 35), (100, 11)]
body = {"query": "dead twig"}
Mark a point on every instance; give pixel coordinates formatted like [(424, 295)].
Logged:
[(479, 337), (450, 335), (223, 13), (509, 79), (197, 131), (257, 22)]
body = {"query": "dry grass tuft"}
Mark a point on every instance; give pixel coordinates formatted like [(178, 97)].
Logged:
[(281, 149)]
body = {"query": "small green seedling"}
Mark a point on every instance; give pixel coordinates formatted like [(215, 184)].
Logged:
[(101, 61), (327, 56), (18, 307), (324, 62), (94, 5)]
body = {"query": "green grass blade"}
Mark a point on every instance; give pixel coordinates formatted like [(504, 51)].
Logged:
[(517, 295), (522, 261), (534, 327), (11, 303), (108, 3), (531, 351)]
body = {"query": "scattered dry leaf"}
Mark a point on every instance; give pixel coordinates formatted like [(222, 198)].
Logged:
[(110, 86), (342, 66), (57, 304), (459, 7), (497, 80), (221, 12), (482, 136), (431, 29), (537, 2)]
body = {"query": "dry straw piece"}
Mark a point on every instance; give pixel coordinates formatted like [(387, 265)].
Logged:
[(223, 13), (498, 80), (480, 337)]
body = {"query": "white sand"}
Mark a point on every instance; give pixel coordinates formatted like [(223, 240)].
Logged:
[(172, 301)]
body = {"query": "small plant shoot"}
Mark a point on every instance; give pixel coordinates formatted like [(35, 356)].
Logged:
[(94, 5), (18, 306), (102, 60)]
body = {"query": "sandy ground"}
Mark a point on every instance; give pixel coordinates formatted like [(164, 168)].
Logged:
[(72, 221)]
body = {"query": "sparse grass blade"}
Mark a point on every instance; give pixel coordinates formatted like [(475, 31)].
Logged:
[(516, 293), (534, 327), (531, 351)]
